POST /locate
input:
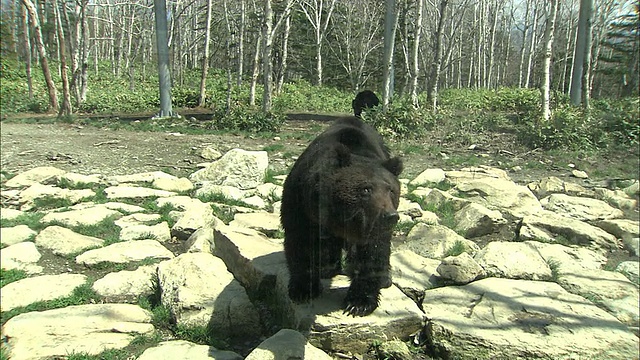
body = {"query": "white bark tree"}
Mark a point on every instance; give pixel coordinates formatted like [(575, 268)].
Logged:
[(390, 25), (319, 17), (205, 57), (548, 52), (579, 92)]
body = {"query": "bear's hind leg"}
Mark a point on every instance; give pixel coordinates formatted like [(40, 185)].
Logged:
[(331, 256), (303, 260)]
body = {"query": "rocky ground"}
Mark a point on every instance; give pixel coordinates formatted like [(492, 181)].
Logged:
[(531, 268)]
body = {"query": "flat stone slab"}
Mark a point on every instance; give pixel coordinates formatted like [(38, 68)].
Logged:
[(89, 329), (62, 241), (125, 252), (160, 232), (15, 234), (262, 221), (39, 288), (21, 256), (287, 344), (87, 216), (328, 328), (133, 192), (185, 350), (127, 283), (521, 319), (513, 260), (34, 176), (9, 214), (580, 208)]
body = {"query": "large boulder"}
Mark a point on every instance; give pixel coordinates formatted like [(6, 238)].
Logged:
[(238, 168)]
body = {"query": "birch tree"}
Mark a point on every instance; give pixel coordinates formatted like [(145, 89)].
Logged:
[(415, 52), (434, 77), (390, 25), (65, 109), (314, 11), (548, 48), (205, 57), (34, 19), (164, 76), (579, 92)]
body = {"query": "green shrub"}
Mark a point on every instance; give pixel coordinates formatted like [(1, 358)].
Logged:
[(247, 118), (401, 120), (621, 119), (304, 97)]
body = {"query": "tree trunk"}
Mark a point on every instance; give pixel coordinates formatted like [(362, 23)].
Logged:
[(44, 62), (267, 39), (432, 92), (390, 25), (415, 52), (164, 76), (582, 56), (205, 59), (524, 41), (27, 49), (285, 53), (65, 109), (241, 44), (256, 70), (532, 47), (548, 48)]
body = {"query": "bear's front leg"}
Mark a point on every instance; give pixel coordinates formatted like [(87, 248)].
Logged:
[(369, 271)]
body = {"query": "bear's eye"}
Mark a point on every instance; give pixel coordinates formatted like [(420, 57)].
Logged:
[(365, 191)]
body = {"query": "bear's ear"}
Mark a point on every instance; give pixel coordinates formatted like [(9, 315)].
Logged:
[(343, 155), (394, 165)]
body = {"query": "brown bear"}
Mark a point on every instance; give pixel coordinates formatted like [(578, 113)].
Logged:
[(365, 99), (342, 193)]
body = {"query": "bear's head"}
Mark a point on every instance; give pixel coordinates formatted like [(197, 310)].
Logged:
[(364, 198)]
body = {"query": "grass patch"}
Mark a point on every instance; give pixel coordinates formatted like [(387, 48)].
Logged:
[(31, 219), (51, 202), (270, 176), (554, 265), (404, 227), (445, 211), (9, 276), (81, 295), (457, 249), (111, 354), (66, 184), (222, 199), (273, 148), (224, 213), (105, 229), (199, 335)]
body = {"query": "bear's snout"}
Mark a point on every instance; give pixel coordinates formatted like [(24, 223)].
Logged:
[(390, 217)]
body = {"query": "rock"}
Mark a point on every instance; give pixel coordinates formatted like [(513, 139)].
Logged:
[(228, 192), (39, 175), (434, 241), (620, 228), (394, 349), (122, 207), (410, 208), (127, 283), (201, 241), (79, 180), (474, 173), (177, 185), (254, 259), (185, 350), (580, 208), (460, 269), (35, 192), (194, 218), (632, 245), (124, 252), (138, 219), (579, 174), (238, 168), (633, 189), (617, 198), (610, 289), (133, 192), (552, 185), (428, 177), (520, 319), (87, 216), (287, 344), (547, 226), (21, 256), (267, 223), (144, 177), (503, 194), (62, 241), (413, 274), (180, 202), (513, 260), (439, 198), (7, 214), (160, 232), (15, 234), (269, 191), (210, 153), (476, 220), (39, 288), (421, 192), (255, 201), (568, 258), (328, 327), (199, 291), (630, 269), (89, 329)]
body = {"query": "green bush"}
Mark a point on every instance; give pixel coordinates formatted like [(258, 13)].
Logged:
[(304, 97), (569, 128), (621, 119), (401, 119), (518, 100), (247, 118)]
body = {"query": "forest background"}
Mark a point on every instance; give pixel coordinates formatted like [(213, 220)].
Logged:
[(559, 74)]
